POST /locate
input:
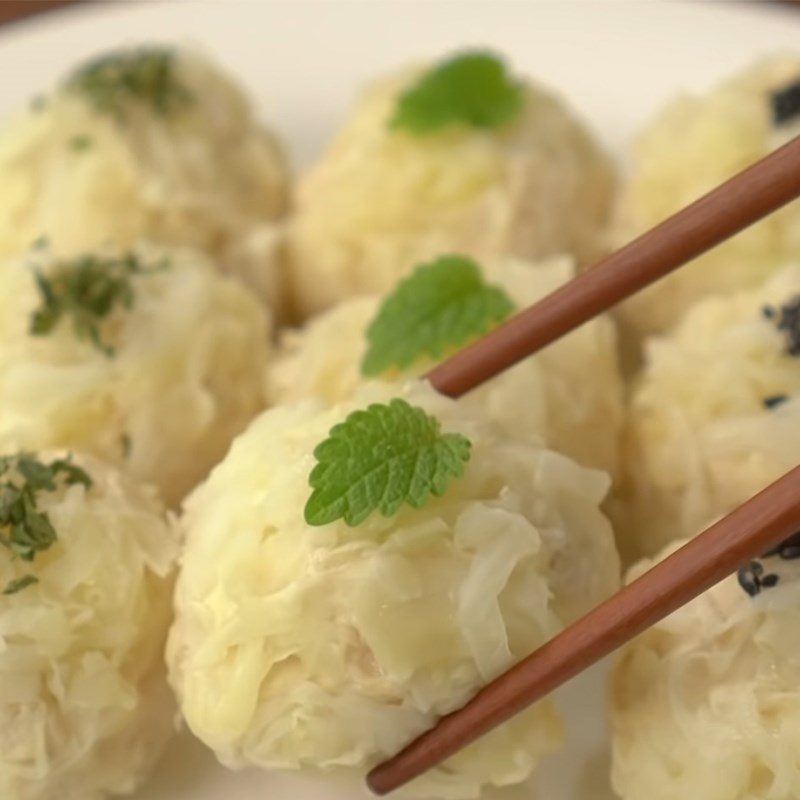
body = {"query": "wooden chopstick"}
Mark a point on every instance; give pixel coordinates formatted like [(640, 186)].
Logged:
[(753, 528), (13, 10), (737, 203), (758, 525)]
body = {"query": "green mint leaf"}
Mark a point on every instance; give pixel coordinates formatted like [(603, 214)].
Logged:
[(87, 289), (146, 75), (17, 585), (440, 306), (380, 458), (471, 89)]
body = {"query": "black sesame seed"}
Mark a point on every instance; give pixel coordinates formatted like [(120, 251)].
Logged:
[(787, 320), (790, 552), (751, 575), (785, 103), (788, 549), (748, 578), (774, 400), (768, 581)]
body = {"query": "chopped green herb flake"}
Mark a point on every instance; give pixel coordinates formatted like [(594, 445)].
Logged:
[(146, 75), (87, 289), (775, 400), (80, 143), (380, 458), (441, 306), (12, 587), (471, 89), (24, 529), (125, 444)]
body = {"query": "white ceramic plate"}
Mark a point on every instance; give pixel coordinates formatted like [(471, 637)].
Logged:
[(616, 60)]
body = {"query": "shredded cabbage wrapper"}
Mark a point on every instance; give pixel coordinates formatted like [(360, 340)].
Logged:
[(380, 201), (85, 709), (325, 649), (550, 398), (705, 703), (699, 437), (695, 143), (207, 176), (186, 375)]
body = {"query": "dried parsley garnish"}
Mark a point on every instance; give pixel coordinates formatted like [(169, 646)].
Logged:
[(17, 585), (146, 75), (87, 289), (24, 529), (80, 143)]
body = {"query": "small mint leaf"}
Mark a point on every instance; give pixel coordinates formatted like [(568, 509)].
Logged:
[(471, 89), (440, 306), (380, 458)]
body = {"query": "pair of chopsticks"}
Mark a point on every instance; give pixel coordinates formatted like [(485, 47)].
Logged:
[(753, 528)]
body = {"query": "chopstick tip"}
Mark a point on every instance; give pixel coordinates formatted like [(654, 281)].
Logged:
[(377, 783)]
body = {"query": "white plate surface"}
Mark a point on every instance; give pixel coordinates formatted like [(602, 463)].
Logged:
[(616, 60)]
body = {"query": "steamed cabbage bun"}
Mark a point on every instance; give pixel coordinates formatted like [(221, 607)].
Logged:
[(385, 197), (705, 703), (85, 709), (158, 385), (149, 143), (325, 649), (694, 144), (715, 415), (568, 396)]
